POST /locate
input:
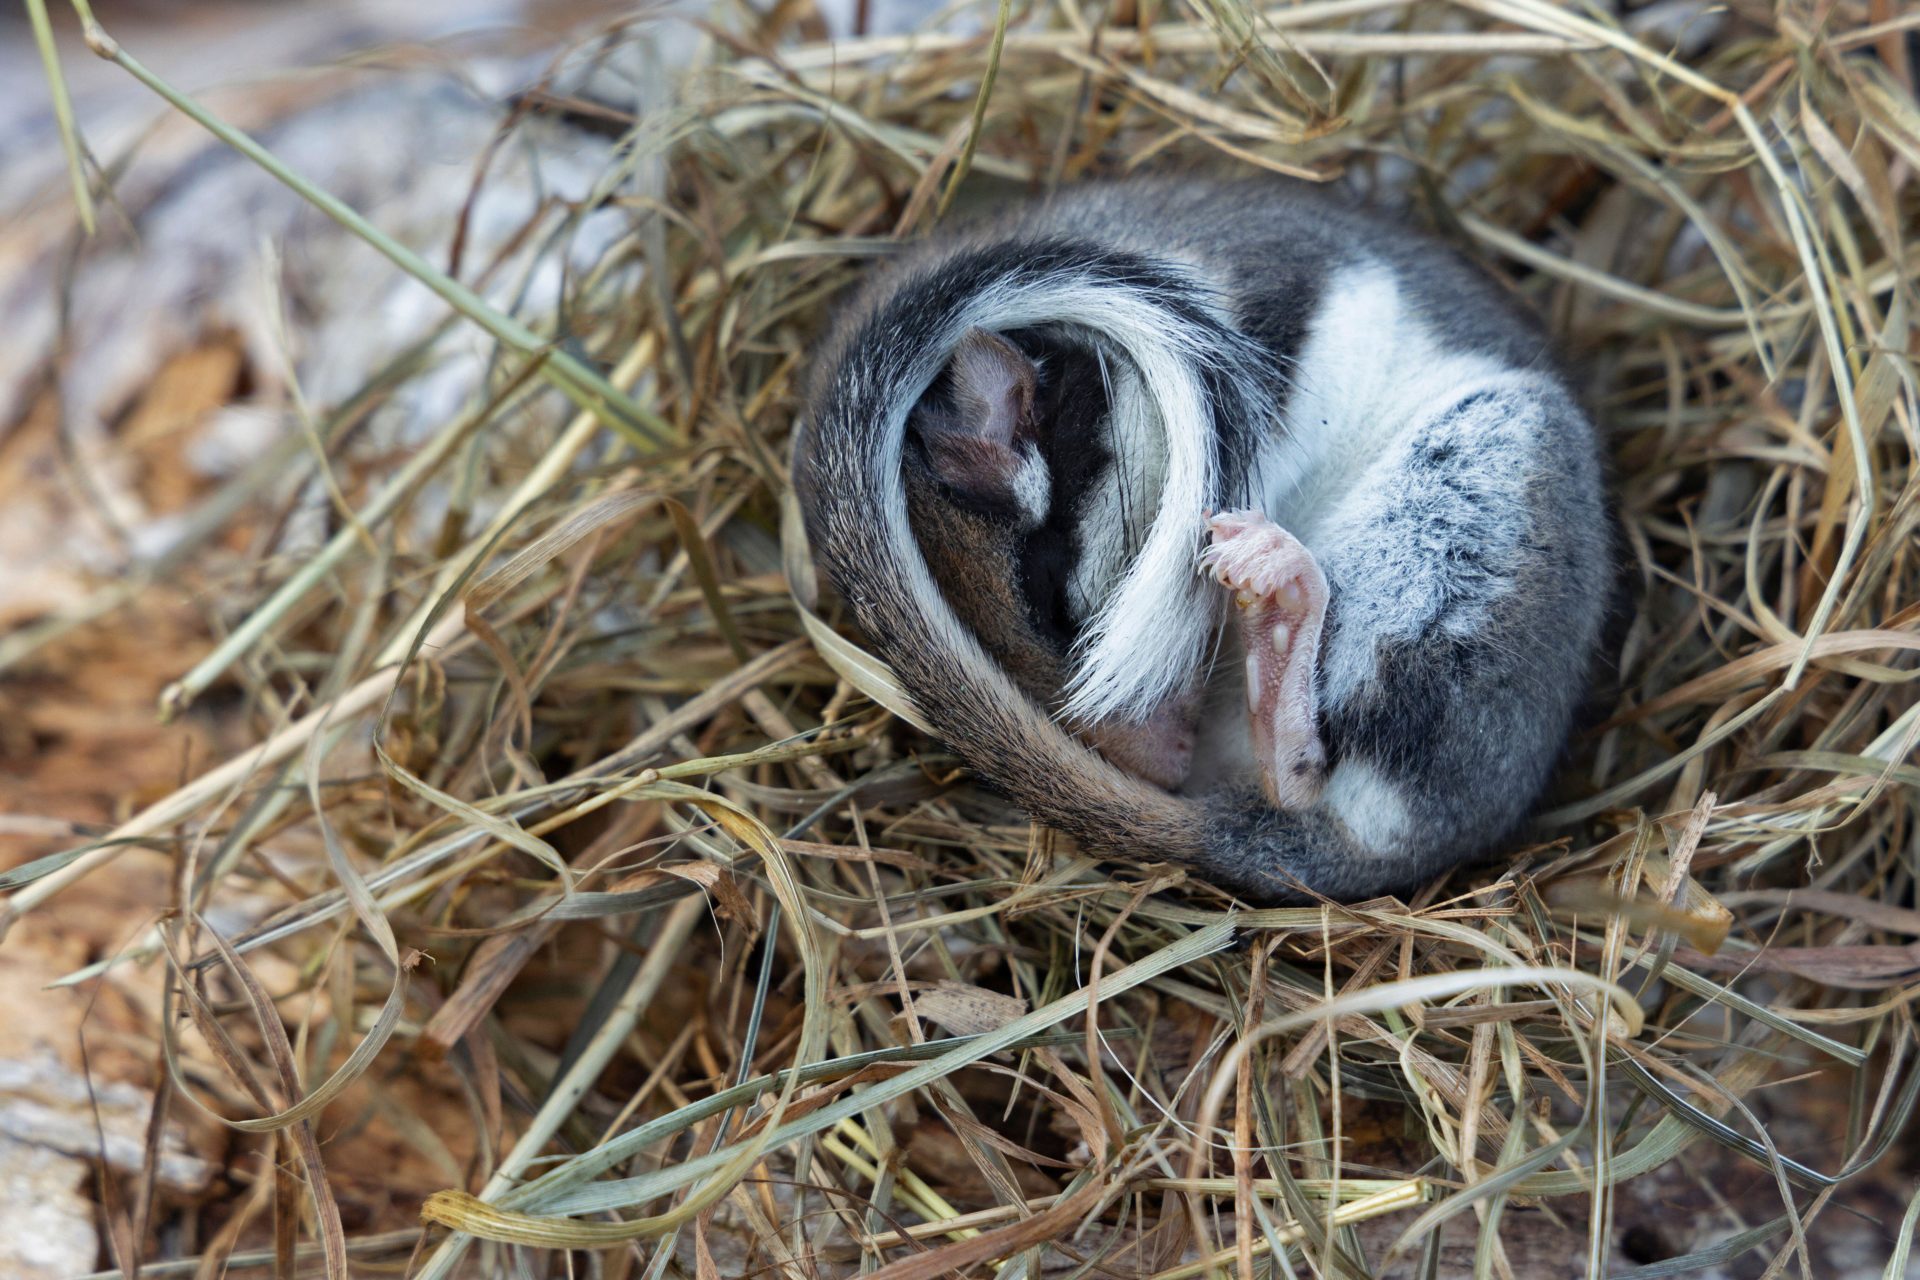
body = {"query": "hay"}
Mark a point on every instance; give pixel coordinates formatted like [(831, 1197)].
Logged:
[(824, 1005)]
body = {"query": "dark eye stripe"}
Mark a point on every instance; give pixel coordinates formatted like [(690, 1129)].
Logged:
[(1071, 408)]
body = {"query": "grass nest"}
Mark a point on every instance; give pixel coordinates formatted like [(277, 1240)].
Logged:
[(735, 974)]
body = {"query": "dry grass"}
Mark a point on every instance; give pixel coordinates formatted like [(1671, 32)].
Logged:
[(582, 754)]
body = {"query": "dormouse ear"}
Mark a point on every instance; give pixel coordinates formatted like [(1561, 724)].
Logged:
[(993, 385), (973, 439)]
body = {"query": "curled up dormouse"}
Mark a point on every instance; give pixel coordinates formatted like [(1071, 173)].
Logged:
[(1218, 523)]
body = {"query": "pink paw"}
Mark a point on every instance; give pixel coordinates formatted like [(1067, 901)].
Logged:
[(1282, 600), (1257, 558)]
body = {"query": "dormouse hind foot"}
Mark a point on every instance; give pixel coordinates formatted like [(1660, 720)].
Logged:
[(1280, 599)]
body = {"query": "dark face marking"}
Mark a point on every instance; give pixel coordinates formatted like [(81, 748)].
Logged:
[(1006, 574), (1079, 456)]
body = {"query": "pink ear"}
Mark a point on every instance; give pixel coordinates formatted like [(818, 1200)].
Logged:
[(973, 447), (993, 386)]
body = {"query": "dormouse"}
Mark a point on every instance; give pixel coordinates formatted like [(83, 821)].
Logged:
[(1220, 523)]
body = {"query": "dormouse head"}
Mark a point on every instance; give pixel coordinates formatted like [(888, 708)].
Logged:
[(1001, 453), (1027, 492)]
